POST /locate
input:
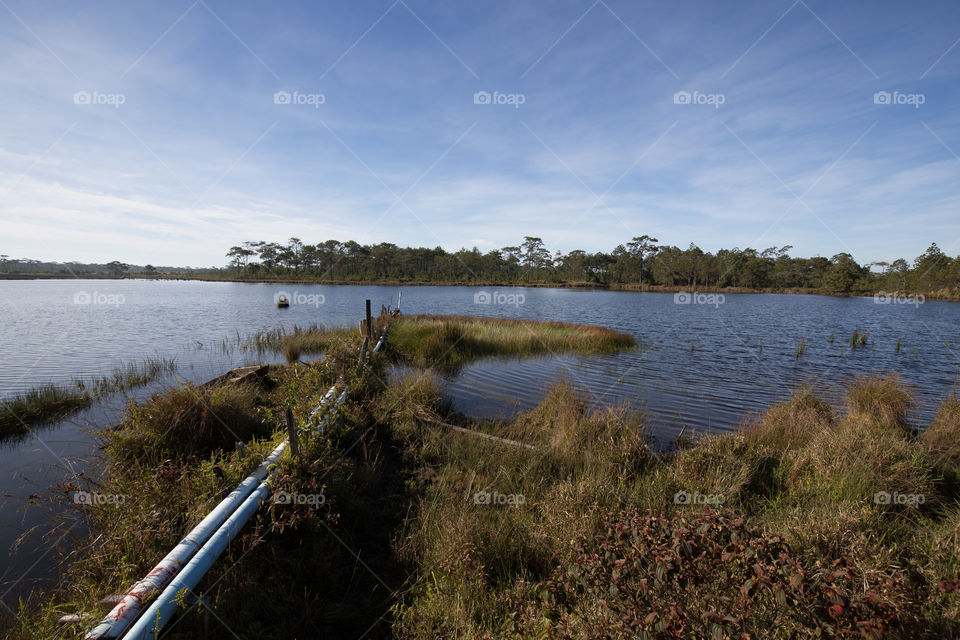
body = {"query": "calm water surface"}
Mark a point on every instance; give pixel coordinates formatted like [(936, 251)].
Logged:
[(702, 365)]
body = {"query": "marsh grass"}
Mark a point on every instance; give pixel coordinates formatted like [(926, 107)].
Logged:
[(188, 421), (52, 402), (47, 403), (799, 480), (285, 575), (448, 341), (131, 375), (858, 339), (293, 343)]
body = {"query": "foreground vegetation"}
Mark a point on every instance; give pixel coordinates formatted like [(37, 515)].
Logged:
[(808, 522), (51, 402)]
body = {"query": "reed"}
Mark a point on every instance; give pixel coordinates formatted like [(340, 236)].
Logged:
[(293, 343), (46, 403), (52, 402), (858, 339)]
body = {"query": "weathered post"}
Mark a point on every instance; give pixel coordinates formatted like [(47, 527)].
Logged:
[(292, 433), (369, 325)]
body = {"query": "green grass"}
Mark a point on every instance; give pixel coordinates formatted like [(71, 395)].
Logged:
[(858, 339), (52, 402), (188, 421), (297, 341), (448, 341), (47, 403)]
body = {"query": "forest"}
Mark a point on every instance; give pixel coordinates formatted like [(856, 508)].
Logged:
[(639, 263)]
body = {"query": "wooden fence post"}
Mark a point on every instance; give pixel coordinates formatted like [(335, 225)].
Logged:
[(369, 325), (292, 433)]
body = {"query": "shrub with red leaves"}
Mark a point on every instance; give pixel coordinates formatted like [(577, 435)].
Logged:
[(703, 574)]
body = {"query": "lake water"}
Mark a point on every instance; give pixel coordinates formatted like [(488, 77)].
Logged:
[(704, 363)]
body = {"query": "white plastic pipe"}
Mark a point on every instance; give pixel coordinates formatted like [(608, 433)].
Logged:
[(163, 608), (129, 607)]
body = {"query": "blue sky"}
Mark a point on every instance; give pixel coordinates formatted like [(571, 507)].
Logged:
[(152, 132)]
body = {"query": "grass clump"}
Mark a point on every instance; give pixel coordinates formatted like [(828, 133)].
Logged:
[(858, 339), (130, 376), (430, 340), (942, 438), (187, 421), (292, 343), (46, 403), (52, 402), (883, 398)]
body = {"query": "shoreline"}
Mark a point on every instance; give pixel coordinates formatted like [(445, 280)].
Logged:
[(940, 296)]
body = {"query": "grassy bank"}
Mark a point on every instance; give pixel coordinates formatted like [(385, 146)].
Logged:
[(51, 402), (809, 522), (447, 341), (805, 524)]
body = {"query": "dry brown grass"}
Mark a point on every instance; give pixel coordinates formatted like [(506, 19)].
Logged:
[(884, 398), (942, 437), (791, 424), (432, 341), (188, 421)]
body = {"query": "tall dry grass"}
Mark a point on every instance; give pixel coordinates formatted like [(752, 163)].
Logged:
[(429, 340)]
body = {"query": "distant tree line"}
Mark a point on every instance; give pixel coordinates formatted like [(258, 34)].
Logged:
[(115, 269), (640, 261)]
